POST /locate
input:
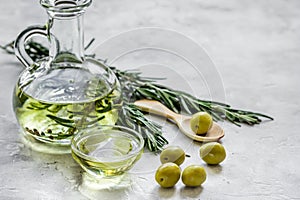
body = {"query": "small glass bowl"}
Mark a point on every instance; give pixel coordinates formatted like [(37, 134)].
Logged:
[(107, 151)]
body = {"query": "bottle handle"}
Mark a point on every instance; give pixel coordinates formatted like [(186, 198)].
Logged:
[(21, 40)]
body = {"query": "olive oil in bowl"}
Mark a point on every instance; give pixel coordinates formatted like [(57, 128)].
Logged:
[(107, 151)]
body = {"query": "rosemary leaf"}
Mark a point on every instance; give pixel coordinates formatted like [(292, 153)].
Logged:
[(62, 121)]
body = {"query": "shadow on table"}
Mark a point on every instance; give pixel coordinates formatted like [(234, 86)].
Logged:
[(106, 188), (190, 192), (184, 192), (214, 169), (166, 193)]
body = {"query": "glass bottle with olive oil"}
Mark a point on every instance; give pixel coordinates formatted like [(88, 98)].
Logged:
[(57, 95)]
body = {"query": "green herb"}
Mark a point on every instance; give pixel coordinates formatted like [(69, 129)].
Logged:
[(179, 101), (64, 122), (133, 118), (134, 86)]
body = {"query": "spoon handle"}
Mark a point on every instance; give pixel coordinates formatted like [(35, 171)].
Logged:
[(157, 108)]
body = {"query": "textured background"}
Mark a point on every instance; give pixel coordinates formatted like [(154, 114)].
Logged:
[(255, 47)]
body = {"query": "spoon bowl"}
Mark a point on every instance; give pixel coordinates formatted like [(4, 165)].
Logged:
[(215, 133)]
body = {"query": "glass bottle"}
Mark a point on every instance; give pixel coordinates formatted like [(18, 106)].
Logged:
[(66, 91)]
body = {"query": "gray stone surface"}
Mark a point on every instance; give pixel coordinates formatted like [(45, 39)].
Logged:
[(255, 47)]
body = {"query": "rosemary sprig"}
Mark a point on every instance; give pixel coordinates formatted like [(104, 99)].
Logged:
[(132, 117), (134, 86), (179, 101), (9, 48), (137, 87)]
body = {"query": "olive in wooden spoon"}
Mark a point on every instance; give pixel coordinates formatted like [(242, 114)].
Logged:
[(182, 121)]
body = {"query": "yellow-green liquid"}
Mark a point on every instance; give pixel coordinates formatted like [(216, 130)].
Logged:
[(105, 155), (52, 108)]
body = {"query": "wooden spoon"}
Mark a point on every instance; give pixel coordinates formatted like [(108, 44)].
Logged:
[(182, 121)]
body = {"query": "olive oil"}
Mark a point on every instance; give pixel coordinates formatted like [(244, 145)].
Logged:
[(62, 90), (106, 154), (54, 106)]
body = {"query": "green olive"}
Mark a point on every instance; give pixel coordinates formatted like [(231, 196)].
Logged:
[(173, 154), (193, 175), (212, 153), (167, 175), (201, 122)]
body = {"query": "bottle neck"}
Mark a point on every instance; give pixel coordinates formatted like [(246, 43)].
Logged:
[(66, 39)]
